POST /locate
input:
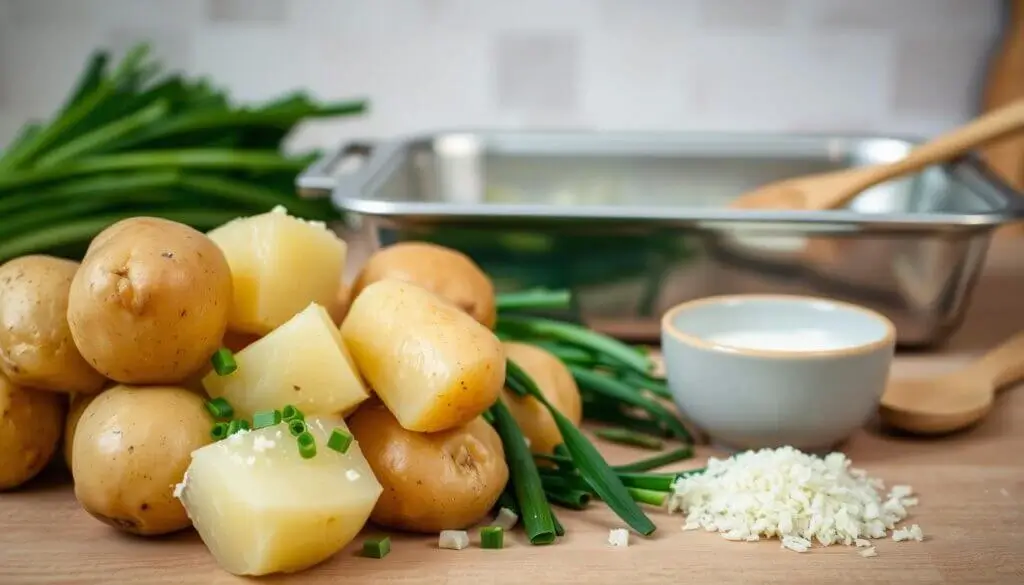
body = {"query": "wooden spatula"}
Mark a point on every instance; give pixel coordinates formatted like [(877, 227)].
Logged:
[(947, 403), (831, 190)]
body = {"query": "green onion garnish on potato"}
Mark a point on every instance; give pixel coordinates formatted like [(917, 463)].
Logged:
[(296, 427), (219, 431), (289, 413), (220, 408), (339, 441), (266, 418), (223, 362), (307, 445)]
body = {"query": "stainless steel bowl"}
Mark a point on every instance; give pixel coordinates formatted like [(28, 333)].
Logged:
[(634, 223)]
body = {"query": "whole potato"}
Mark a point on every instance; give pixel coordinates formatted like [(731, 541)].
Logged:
[(79, 402), (447, 273), (149, 305), (30, 426), (432, 481), (36, 348), (556, 384), (131, 447)]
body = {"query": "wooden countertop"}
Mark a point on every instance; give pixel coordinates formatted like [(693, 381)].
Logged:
[(971, 489)]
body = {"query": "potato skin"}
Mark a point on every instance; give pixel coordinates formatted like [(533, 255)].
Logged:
[(30, 425), (432, 481), (36, 347), (556, 384), (149, 304), (448, 273), (78, 404), (130, 448)]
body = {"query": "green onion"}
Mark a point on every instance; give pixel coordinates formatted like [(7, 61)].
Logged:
[(534, 510), (492, 537), (339, 441), (574, 499), (219, 431), (567, 353), (649, 481), (559, 529), (533, 299), (614, 389), (223, 362), (657, 461), (531, 327), (289, 413), (220, 408), (592, 467), (648, 497), (656, 386), (626, 437), (307, 445), (296, 427), (376, 548), (237, 425), (266, 418)]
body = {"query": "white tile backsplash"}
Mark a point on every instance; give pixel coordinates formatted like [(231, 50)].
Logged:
[(899, 66)]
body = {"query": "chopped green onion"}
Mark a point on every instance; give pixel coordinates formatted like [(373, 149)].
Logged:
[(219, 431), (627, 437), (289, 412), (266, 418), (296, 427), (339, 441), (223, 362), (307, 445), (657, 461), (492, 537), (237, 425), (376, 548), (220, 408)]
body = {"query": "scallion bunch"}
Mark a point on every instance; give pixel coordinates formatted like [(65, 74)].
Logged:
[(132, 140)]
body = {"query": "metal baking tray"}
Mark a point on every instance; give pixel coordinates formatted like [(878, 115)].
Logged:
[(634, 223)]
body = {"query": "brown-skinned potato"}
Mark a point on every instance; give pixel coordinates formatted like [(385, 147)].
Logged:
[(149, 303), (448, 273), (556, 384), (36, 347), (30, 427), (432, 481), (130, 447), (78, 404)]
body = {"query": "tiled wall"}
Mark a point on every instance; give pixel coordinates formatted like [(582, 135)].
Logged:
[(902, 66)]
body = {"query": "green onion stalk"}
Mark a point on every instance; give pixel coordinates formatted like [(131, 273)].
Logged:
[(134, 139)]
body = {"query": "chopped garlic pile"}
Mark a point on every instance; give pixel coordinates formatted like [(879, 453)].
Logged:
[(793, 496)]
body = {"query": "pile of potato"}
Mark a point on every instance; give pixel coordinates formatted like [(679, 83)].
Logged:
[(407, 356)]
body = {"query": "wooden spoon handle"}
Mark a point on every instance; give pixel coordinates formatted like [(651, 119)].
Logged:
[(1004, 365), (988, 128)]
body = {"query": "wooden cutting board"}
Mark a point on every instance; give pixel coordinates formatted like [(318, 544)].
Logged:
[(1005, 83)]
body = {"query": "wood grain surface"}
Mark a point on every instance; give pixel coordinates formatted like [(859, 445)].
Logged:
[(971, 489)]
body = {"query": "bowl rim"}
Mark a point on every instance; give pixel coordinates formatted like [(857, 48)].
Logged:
[(668, 326)]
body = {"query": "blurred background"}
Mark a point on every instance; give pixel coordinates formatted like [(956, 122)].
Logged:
[(878, 66)]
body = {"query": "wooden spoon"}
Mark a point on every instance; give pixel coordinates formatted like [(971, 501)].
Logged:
[(831, 190), (957, 400)]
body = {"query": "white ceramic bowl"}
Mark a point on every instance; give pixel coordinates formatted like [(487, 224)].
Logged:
[(759, 371)]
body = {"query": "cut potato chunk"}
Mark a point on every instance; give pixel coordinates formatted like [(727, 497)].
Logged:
[(261, 508), (303, 362), (280, 264), (432, 365)]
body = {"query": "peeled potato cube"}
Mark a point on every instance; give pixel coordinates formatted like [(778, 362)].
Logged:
[(303, 362), (433, 365), (261, 508), (279, 265)]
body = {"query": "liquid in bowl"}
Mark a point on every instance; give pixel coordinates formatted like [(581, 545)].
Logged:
[(803, 339)]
